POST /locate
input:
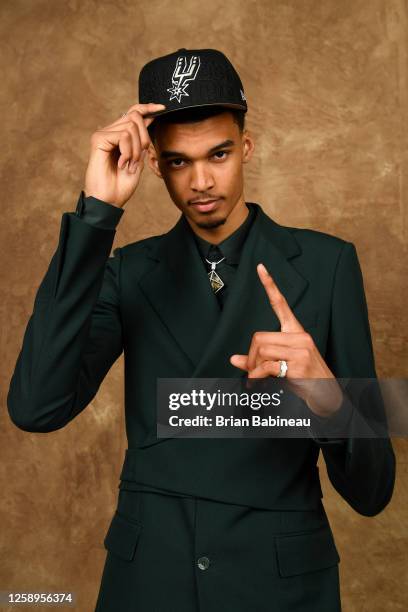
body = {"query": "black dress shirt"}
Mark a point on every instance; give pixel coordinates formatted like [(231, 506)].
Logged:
[(230, 249)]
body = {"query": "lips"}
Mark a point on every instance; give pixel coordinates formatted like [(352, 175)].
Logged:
[(206, 205)]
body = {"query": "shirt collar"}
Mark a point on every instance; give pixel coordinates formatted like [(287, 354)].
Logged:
[(232, 246)]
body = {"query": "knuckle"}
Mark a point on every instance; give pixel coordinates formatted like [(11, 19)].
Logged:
[(132, 127), (130, 123), (261, 334), (257, 337), (263, 351), (137, 116), (134, 110), (308, 339)]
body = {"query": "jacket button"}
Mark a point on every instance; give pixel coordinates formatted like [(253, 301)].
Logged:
[(203, 563)]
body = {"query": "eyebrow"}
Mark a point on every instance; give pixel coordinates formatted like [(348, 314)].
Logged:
[(222, 145)]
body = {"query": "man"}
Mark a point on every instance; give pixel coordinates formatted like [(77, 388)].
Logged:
[(204, 524)]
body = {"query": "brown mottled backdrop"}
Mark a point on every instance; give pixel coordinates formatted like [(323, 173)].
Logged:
[(327, 89)]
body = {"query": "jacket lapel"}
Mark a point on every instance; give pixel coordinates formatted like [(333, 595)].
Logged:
[(178, 289)]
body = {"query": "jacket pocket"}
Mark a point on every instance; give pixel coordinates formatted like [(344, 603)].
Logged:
[(122, 536), (306, 552)]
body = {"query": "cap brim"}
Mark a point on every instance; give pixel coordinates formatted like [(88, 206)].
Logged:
[(177, 110)]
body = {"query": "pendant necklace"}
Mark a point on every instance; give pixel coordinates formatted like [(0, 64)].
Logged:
[(215, 280)]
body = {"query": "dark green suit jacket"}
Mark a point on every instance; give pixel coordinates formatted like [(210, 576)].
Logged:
[(152, 300)]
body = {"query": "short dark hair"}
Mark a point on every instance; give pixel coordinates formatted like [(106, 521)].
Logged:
[(194, 115)]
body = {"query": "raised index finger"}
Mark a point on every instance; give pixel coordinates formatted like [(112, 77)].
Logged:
[(278, 301)]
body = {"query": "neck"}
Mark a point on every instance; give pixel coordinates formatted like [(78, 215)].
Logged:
[(235, 219)]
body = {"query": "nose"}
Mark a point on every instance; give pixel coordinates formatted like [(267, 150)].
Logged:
[(201, 178)]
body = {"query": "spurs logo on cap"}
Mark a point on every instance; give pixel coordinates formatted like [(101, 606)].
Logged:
[(182, 75)]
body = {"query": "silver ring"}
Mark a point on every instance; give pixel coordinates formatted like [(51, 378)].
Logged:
[(283, 368)]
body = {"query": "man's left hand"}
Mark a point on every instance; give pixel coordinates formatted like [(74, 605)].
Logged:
[(297, 348)]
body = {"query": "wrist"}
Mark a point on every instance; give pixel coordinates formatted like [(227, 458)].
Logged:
[(100, 198)]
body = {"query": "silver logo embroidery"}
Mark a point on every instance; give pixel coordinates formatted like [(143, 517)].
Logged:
[(182, 75)]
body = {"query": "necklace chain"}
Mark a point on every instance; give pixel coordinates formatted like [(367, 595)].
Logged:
[(214, 263)]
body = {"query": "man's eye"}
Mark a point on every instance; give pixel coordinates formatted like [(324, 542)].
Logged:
[(173, 162), (221, 153)]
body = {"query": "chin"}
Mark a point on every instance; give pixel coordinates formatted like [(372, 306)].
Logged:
[(210, 223)]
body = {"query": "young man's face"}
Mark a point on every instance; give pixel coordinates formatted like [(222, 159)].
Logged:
[(203, 162)]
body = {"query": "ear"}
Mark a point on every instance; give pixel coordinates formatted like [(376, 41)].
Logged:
[(248, 146), (153, 161)]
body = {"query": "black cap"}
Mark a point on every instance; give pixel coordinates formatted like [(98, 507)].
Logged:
[(191, 78)]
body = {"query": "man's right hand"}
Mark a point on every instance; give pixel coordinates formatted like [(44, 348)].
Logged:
[(117, 155)]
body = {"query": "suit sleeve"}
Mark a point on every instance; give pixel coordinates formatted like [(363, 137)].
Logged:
[(74, 333), (100, 213), (362, 469)]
